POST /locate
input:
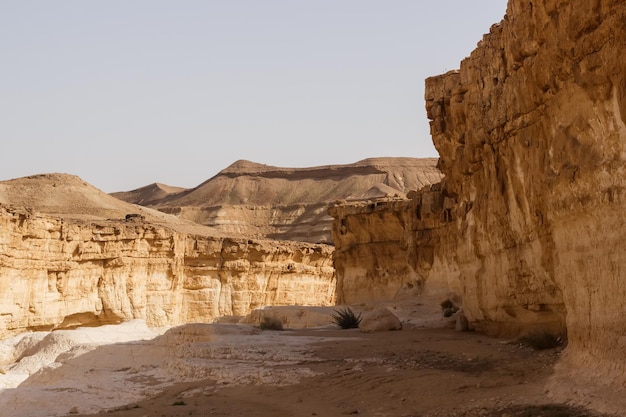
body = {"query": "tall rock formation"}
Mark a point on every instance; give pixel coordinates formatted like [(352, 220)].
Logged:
[(532, 137), (527, 223)]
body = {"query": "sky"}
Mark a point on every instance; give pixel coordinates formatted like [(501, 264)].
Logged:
[(125, 93)]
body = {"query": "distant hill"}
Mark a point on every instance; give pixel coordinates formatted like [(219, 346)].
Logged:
[(150, 194), (68, 196), (259, 200)]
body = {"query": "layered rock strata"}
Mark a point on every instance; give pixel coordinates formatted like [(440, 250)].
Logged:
[(371, 251), (386, 249), (531, 133), (262, 201), (64, 273), (532, 137)]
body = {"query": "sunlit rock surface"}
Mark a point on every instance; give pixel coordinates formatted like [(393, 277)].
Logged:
[(57, 273), (526, 226)]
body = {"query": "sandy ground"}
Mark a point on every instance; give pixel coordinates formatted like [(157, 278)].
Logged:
[(239, 370), (410, 373)]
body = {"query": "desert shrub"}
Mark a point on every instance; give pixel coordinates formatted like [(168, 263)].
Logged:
[(346, 318), (271, 323), (541, 340), (448, 308), (179, 402)]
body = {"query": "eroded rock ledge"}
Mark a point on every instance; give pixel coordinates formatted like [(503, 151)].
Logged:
[(63, 273)]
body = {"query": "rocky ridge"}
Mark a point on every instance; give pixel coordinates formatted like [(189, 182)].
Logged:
[(150, 194), (254, 200)]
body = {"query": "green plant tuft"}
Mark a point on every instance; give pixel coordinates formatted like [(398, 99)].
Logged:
[(346, 319), (179, 402), (271, 323)]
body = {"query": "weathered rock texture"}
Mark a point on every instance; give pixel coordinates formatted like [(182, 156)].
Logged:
[(80, 267), (528, 223), (372, 251), (261, 201), (532, 137), (387, 249)]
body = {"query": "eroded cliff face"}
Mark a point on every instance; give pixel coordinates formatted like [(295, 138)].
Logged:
[(390, 249), (371, 251), (59, 274), (532, 137), (526, 226)]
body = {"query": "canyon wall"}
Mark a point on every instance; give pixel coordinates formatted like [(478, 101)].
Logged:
[(532, 137), (391, 249), (371, 251), (527, 226), (61, 274)]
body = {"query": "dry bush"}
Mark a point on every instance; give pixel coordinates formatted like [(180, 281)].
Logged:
[(271, 323)]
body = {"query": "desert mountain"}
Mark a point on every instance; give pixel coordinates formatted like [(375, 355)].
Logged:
[(246, 182), (68, 196), (259, 200)]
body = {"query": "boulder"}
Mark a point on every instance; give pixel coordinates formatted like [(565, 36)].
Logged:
[(380, 319)]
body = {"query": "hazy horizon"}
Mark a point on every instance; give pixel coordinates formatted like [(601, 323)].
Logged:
[(125, 94)]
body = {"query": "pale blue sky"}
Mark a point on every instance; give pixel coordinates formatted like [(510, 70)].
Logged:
[(127, 93)]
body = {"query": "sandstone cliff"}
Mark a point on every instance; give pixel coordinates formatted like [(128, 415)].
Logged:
[(385, 249), (531, 133), (82, 263), (529, 230), (371, 251), (255, 200)]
